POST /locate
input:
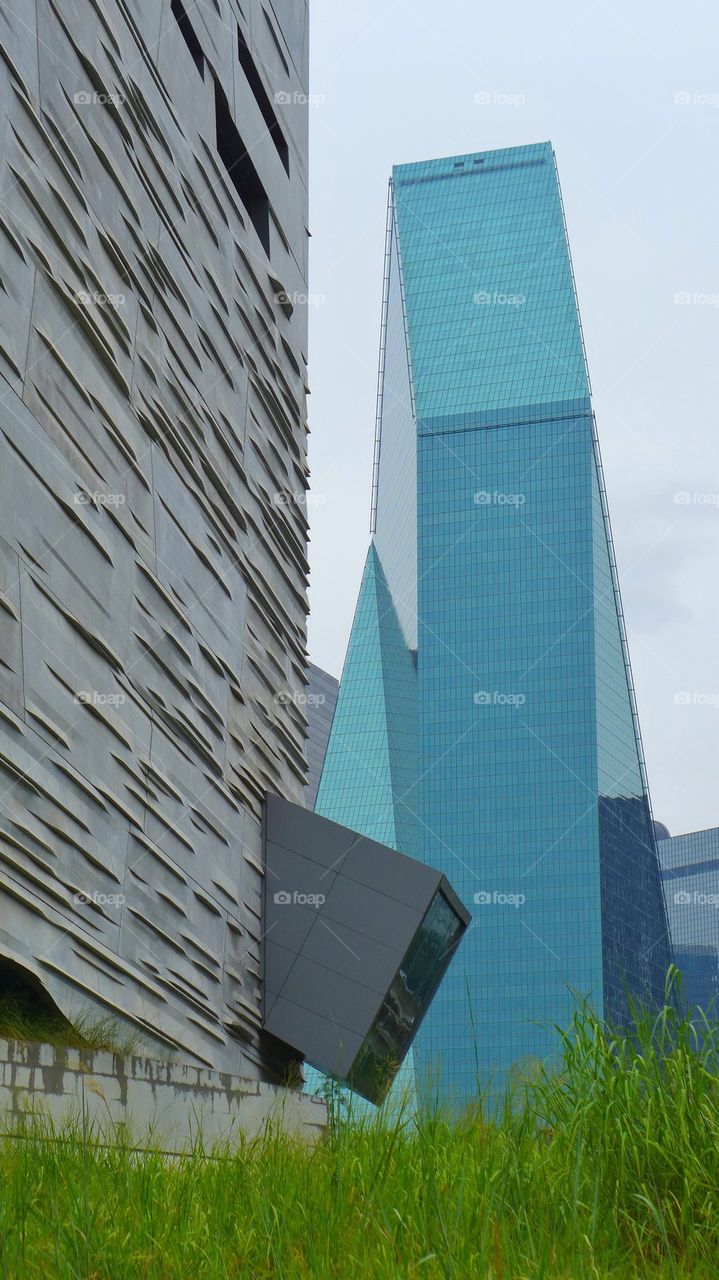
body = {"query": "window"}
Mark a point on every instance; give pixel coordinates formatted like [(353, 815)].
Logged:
[(240, 169), (188, 35), (262, 99)]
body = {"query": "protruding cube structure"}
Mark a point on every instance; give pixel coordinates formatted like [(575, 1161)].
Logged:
[(357, 938)]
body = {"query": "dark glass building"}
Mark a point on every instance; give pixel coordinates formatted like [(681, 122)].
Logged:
[(486, 721)]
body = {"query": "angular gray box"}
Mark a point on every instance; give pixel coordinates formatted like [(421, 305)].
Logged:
[(357, 938)]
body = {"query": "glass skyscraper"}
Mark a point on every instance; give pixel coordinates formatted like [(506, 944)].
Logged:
[(486, 721), (690, 871)]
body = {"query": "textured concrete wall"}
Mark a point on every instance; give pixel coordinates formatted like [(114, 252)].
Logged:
[(152, 567), (321, 700), (145, 1101)]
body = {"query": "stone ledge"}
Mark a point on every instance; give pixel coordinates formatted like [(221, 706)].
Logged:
[(168, 1105)]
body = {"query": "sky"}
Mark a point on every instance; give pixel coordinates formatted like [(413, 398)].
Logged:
[(629, 96)]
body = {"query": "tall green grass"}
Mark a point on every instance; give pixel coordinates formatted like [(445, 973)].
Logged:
[(610, 1168), (28, 1021)]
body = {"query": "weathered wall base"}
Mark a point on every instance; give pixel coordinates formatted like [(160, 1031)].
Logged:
[(168, 1106)]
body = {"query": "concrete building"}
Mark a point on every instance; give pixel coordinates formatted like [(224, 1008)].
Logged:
[(322, 690), (153, 567), (152, 410)]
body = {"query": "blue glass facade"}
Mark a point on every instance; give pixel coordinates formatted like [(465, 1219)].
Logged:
[(690, 871), (370, 766), (522, 775)]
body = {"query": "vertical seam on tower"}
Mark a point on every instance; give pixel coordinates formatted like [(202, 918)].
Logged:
[(381, 362), (405, 325)]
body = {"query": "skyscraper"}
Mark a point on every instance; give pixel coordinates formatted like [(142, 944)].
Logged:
[(690, 872), (486, 719)]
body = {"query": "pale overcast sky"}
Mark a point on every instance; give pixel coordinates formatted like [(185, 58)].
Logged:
[(629, 96)]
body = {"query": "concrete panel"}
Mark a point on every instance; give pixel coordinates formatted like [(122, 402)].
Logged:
[(341, 1000), (371, 912), (322, 1043), (352, 954)]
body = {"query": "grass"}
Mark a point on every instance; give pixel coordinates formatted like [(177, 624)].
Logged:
[(608, 1169), (26, 1020)]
